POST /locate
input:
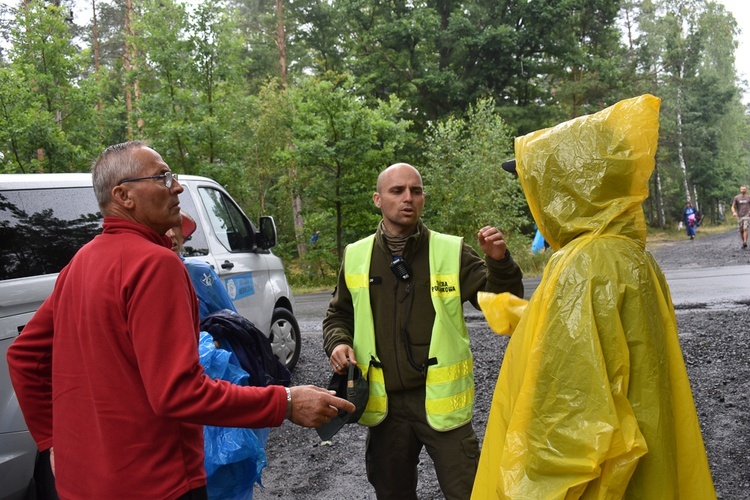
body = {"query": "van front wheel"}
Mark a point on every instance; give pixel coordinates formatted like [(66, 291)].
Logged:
[(285, 337)]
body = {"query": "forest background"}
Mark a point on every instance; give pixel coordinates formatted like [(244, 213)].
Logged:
[(296, 106)]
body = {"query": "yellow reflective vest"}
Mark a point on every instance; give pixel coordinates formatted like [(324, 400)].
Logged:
[(449, 399)]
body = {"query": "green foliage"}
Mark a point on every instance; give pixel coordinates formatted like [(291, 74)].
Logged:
[(466, 187), (321, 263), (265, 148), (340, 146), (46, 115), (369, 84), (531, 264), (685, 52)]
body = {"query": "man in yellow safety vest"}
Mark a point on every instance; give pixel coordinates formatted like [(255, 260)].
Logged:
[(397, 313)]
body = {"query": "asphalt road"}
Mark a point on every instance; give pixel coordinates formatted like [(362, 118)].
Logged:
[(720, 288)]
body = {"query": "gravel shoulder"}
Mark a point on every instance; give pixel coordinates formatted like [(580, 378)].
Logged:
[(716, 348)]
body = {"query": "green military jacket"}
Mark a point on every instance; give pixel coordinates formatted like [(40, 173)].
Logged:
[(399, 307)]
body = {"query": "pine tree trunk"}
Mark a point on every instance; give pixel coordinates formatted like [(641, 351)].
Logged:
[(680, 140), (99, 104), (131, 90), (299, 221), (281, 40), (128, 67), (658, 199)]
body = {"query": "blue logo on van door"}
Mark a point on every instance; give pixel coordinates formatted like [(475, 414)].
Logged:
[(240, 286)]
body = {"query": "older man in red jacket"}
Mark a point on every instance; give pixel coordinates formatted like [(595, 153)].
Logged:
[(107, 371)]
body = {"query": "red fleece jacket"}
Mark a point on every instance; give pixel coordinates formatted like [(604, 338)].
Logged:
[(107, 372)]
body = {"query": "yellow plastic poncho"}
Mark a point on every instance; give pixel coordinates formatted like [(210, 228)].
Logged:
[(593, 399)]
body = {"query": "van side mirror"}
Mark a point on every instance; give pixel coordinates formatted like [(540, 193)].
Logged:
[(267, 232)]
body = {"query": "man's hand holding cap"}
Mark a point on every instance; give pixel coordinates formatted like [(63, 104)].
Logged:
[(314, 406)]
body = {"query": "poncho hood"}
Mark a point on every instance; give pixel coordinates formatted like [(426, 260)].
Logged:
[(589, 175)]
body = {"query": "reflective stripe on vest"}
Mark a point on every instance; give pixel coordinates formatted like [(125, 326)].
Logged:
[(357, 275), (450, 383)]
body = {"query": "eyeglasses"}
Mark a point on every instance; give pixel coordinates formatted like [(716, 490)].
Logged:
[(167, 176)]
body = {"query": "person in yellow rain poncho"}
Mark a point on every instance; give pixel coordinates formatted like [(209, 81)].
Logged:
[(593, 398)]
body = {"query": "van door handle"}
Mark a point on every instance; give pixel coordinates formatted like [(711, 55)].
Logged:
[(227, 265)]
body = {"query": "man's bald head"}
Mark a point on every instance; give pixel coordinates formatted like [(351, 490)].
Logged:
[(391, 171), (400, 198)]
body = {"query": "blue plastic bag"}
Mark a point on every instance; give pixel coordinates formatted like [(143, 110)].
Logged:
[(234, 457)]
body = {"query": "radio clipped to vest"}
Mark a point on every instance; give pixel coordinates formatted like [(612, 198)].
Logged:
[(401, 269)]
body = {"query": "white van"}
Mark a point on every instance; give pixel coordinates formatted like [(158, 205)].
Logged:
[(46, 218)]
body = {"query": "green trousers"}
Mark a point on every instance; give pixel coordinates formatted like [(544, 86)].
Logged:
[(393, 449)]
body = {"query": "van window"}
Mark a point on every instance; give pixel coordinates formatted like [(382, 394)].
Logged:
[(227, 221), (196, 244), (41, 229)]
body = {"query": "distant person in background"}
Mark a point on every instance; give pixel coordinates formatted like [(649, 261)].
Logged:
[(539, 244), (741, 210), (689, 218)]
